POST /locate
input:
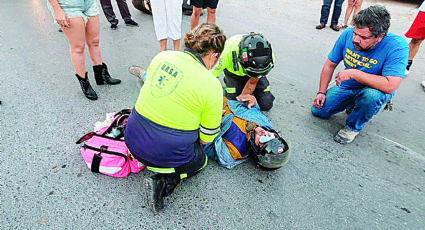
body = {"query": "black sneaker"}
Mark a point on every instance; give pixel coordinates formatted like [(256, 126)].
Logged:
[(131, 23), (153, 190), (114, 24)]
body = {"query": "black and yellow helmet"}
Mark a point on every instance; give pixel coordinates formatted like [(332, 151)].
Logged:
[(255, 55), (273, 154)]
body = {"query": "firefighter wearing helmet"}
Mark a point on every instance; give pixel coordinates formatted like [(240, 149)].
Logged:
[(245, 61)]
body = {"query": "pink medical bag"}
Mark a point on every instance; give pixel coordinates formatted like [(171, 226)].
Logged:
[(105, 150)]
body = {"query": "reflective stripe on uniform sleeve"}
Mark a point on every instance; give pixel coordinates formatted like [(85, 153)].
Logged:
[(230, 89), (267, 89), (208, 131)]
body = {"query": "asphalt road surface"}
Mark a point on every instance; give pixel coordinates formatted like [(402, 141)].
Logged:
[(376, 182)]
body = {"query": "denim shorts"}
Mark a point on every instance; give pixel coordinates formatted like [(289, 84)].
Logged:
[(77, 8)]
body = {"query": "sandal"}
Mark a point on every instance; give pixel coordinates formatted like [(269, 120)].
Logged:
[(320, 26), (335, 27)]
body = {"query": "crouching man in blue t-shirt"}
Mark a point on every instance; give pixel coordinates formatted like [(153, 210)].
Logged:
[(374, 68)]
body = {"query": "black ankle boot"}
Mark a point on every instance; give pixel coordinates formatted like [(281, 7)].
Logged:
[(101, 75), (86, 87)]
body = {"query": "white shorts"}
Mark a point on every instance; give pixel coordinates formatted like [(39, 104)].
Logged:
[(167, 18)]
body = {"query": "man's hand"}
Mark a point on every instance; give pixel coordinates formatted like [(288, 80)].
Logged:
[(247, 98), (325, 77), (344, 75), (319, 101)]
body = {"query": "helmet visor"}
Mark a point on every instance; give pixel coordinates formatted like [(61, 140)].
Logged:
[(258, 72), (274, 154)]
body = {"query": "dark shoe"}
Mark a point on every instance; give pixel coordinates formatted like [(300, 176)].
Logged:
[(86, 87), (153, 192), (114, 24), (187, 12), (171, 184), (321, 26), (131, 23), (101, 75), (335, 27)]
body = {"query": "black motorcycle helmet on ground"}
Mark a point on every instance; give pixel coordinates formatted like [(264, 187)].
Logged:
[(273, 154), (255, 55)]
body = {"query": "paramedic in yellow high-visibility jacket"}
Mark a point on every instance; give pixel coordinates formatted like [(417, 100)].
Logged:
[(245, 61), (178, 110)]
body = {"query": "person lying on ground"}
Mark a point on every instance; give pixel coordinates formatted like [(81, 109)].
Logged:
[(247, 133)]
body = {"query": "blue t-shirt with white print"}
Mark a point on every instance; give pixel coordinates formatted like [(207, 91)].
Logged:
[(387, 58)]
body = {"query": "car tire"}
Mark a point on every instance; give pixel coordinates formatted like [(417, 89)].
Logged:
[(143, 5)]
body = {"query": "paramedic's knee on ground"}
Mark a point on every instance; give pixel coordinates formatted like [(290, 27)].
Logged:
[(265, 101), (263, 94)]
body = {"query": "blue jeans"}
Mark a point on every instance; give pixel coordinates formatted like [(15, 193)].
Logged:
[(326, 7), (367, 102)]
